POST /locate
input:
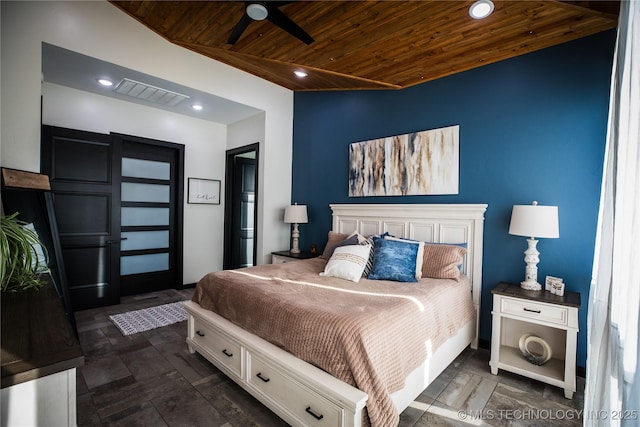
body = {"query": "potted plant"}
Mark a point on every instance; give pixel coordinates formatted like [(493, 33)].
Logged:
[(20, 266)]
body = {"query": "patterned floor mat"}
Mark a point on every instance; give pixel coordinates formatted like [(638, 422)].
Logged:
[(133, 322)]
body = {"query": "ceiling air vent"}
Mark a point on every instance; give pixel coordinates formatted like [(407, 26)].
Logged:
[(149, 93)]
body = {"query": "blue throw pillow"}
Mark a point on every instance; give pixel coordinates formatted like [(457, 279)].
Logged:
[(369, 241), (393, 260)]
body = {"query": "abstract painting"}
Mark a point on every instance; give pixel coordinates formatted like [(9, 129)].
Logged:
[(418, 163)]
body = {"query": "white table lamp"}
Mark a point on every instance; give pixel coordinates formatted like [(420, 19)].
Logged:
[(533, 221), (295, 214)]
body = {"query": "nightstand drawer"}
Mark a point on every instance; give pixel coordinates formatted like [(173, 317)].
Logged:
[(534, 310), (278, 259)]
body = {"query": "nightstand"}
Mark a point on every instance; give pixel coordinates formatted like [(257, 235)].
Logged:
[(286, 256), (552, 318)]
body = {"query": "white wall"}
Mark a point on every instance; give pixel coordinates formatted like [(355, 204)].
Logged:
[(250, 131), (100, 30)]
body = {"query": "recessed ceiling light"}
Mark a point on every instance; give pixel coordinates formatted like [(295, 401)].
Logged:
[(105, 82), (197, 107), (481, 9), (300, 74)]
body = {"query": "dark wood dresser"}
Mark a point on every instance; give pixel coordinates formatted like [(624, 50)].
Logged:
[(40, 354)]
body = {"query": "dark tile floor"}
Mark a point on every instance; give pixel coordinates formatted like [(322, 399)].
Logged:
[(151, 379)]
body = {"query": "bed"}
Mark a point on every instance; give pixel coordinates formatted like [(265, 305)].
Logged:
[(319, 386)]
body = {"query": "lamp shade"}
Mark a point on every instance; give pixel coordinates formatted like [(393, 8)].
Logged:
[(296, 214), (534, 221)]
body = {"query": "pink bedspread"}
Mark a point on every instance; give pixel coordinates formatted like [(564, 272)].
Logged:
[(370, 334)]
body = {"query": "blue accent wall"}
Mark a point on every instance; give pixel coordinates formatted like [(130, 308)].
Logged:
[(531, 128)]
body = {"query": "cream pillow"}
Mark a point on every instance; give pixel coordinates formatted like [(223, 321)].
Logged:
[(347, 262), (442, 261)]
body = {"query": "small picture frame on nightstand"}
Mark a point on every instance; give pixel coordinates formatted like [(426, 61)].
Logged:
[(552, 284)]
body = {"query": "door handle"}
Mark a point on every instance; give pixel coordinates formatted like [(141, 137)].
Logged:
[(111, 242)]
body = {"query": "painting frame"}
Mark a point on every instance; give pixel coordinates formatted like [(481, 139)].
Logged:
[(202, 191), (422, 163)]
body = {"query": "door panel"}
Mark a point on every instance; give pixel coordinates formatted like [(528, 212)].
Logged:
[(151, 216), (79, 275), (148, 169), (86, 197), (137, 192), (139, 264), (151, 226), (83, 214), (82, 160), (245, 237), (240, 209), (136, 240)]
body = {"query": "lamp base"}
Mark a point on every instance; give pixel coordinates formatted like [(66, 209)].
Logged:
[(295, 235), (531, 270), (531, 285)]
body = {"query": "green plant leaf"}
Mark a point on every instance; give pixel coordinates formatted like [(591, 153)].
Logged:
[(19, 266)]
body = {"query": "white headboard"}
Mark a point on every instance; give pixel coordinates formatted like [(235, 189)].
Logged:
[(450, 223)]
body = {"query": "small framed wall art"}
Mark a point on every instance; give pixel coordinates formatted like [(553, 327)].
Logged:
[(204, 191)]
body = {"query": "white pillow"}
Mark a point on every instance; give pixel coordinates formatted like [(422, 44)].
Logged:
[(347, 262), (419, 256)]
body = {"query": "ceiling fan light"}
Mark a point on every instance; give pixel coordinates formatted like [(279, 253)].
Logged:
[(481, 9), (257, 11)]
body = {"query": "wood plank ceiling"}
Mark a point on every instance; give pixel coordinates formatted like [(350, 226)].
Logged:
[(371, 44)]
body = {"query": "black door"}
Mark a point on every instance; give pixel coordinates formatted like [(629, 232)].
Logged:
[(242, 242), (84, 170), (151, 215), (240, 211), (118, 200)]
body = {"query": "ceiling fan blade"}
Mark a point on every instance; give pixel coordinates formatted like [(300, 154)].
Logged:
[(242, 25), (281, 20)]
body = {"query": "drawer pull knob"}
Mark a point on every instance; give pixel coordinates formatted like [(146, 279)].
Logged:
[(226, 353), (313, 414), (531, 311), (265, 379), (201, 334)]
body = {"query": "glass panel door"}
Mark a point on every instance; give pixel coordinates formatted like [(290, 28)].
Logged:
[(145, 216)]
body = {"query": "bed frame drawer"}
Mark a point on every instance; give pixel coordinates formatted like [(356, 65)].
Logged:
[(300, 393), (225, 349), (308, 407)]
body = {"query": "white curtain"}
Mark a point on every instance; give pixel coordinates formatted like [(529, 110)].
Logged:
[(612, 387)]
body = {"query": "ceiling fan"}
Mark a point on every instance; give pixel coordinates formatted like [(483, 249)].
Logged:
[(258, 11)]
